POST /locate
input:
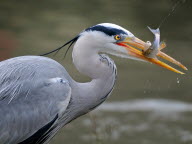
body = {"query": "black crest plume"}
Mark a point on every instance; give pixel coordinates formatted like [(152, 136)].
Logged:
[(70, 43)]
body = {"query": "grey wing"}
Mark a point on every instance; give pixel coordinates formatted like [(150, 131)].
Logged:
[(30, 108), (28, 118)]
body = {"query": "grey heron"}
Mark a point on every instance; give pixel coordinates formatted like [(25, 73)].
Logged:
[(38, 97)]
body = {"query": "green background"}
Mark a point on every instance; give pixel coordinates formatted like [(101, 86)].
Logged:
[(32, 27)]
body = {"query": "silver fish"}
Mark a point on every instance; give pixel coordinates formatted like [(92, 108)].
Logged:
[(151, 50)]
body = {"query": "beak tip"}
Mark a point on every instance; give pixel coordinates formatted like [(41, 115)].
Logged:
[(180, 72), (185, 68)]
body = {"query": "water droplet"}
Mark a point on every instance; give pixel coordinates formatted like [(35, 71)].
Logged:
[(178, 80)]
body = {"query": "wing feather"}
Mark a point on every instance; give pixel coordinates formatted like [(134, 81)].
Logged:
[(34, 93)]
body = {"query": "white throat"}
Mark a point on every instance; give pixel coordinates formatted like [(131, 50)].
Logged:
[(87, 60)]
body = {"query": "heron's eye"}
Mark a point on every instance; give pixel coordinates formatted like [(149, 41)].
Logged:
[(117, 37)]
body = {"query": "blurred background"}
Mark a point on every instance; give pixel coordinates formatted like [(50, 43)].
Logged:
[(149, 105)]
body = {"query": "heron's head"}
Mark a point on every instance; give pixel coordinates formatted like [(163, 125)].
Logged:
[(113, 39)]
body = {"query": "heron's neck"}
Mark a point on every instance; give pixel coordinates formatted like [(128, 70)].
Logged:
[(101, 70)]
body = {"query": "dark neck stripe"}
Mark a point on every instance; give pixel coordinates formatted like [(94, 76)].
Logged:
[(107, 30)]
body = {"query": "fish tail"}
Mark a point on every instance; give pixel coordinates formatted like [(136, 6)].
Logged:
[(154, 31), (162, 45)]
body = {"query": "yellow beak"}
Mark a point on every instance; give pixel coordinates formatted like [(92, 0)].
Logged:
[(135, 48)]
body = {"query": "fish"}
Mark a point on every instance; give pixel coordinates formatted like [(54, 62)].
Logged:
[(151, 49)]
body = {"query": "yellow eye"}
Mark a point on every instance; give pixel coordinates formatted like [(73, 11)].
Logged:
[(117, 37)]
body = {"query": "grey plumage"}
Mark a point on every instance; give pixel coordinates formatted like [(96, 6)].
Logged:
[(31, 88)]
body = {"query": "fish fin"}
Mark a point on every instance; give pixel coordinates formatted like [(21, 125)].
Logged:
[(162, 45), (154, 31)]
